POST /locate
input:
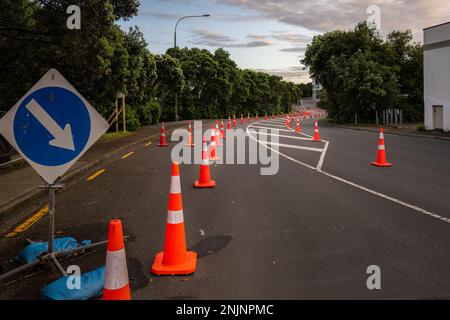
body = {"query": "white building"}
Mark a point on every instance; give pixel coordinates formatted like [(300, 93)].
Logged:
[(437, 77), (316, 87)]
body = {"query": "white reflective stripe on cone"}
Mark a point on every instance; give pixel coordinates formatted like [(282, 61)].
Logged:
[(381, 147), (175, 217), (175, 185), (205, 162), (382, 136), (116, 276)]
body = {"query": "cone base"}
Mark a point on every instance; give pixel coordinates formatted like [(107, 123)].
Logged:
[(188, 267), (317, 140), (382, 165), (118, 294), (198, 185), (162, 145)]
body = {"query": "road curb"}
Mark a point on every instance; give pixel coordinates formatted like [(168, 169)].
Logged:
[(38, 192), (412, 135)]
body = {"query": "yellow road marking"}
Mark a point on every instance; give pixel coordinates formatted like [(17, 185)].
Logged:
[(127, 155), (146, 145), (28, 223), (95, 175)]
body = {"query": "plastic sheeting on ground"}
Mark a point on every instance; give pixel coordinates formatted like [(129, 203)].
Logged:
[(91, 285), (32, 252)]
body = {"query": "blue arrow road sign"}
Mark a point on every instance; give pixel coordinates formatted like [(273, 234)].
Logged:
[(52, 126)]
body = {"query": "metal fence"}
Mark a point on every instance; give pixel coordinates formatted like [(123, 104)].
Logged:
[(392, 117)]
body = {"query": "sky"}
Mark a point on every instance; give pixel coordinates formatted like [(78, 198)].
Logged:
[(271, 35)]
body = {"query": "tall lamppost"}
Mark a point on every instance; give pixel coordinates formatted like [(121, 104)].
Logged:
[(175, 52)]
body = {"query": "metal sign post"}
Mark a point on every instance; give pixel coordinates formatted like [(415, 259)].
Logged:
[(52, 188), (52, 126), (50, 257)]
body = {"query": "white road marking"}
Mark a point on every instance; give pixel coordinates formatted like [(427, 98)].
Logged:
[(282, 130), (292, 146), (272, 122), (280, 135), (304, 134), (322, 157), (373, 192), (273, 125)]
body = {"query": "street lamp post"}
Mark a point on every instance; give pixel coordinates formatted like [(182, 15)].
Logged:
[(175, 52)]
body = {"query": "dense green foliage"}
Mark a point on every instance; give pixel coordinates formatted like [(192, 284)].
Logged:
[(101, 60), (360, 73)]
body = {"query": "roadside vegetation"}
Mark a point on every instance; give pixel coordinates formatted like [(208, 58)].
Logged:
[(361, 73), (101, 60)]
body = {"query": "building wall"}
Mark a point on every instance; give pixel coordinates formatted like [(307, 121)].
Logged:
[(437, 73)]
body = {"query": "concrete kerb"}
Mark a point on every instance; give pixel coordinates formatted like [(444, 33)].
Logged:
[(413, 135), (37, 192)]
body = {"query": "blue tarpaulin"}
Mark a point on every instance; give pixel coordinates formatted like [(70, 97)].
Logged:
[(32, 252), (91, 285)]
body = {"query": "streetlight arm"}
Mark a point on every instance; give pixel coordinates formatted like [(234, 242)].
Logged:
[(175, 52), (183, 18)]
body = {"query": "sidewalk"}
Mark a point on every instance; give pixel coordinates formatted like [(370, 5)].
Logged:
[(406, 130), (21, 184)]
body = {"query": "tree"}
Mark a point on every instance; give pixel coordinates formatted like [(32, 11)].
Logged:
[(170, 81), (361, 73), (101, 60)]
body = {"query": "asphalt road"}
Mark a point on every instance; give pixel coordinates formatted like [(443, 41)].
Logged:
[(301, 234)]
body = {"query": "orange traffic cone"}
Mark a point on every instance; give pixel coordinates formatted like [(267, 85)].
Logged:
[(298, 129), (116, 285), (248, 118), (222, 130), (257, 118), (189, 139), (381, 161), (229, 124), (273, 116), (218, 135), (288, 122), (242, 119), (175, 259), (234, 121), (162, 140), (205, 173), (316, 133), (213, 156)]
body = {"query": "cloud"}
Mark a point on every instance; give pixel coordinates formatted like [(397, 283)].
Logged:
[(160, 15), (327, 15), (215, 39), (293, 74), (294, 50), (256, 44)]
